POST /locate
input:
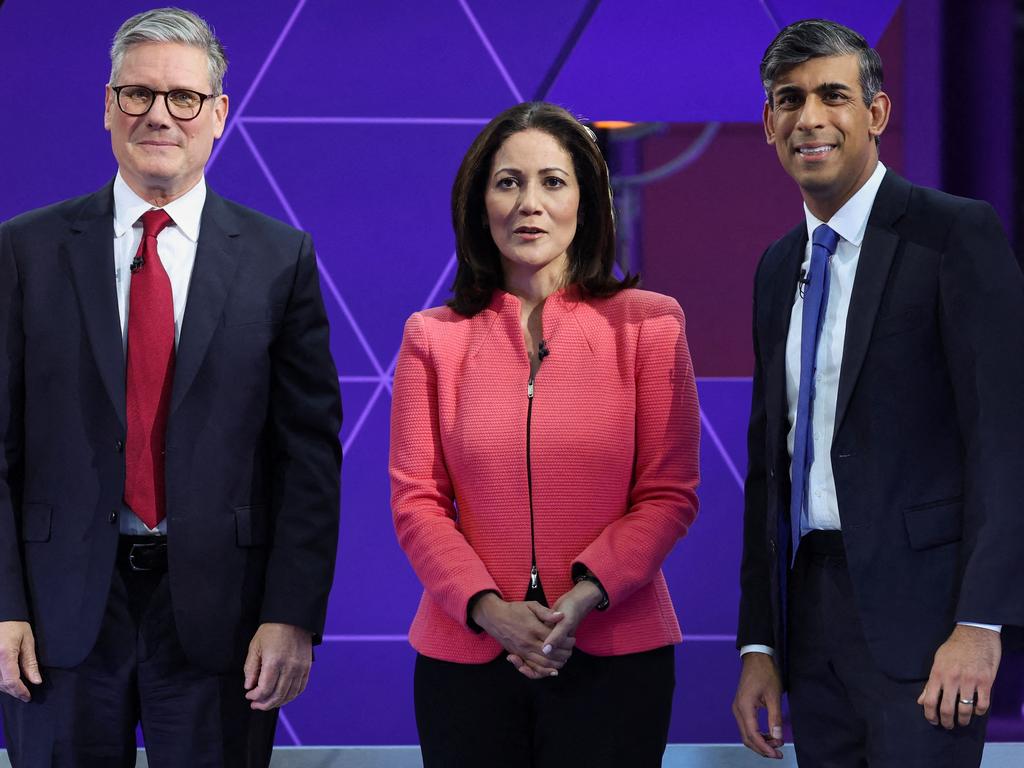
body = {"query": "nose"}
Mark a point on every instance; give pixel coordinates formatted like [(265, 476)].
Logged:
[(529, 199), (812, 114), (158, 116)]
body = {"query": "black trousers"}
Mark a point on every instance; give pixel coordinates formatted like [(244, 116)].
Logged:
[(600, 711), (85, 717), (845, 712)]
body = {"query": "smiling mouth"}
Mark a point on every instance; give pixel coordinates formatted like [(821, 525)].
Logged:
[(815, 151), (529, 231)]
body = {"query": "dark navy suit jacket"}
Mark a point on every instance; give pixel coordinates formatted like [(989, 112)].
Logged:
[(252, 453), (928, 452)]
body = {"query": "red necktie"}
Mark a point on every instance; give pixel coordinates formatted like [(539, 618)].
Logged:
[(150, 374)]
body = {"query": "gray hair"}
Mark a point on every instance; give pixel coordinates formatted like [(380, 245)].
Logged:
[(812, 39), (170, 25)]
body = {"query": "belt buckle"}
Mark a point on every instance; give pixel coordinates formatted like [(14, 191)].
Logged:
[(131, 557)]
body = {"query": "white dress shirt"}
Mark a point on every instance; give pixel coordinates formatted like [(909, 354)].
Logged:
[(177, 247), (850, 223)]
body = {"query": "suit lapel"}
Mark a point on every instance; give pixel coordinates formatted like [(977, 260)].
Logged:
[(216, 260), (784, 284), (89, 255), (876, 257)]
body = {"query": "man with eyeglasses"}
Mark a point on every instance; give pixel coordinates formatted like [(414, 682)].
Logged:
[(169, 411)]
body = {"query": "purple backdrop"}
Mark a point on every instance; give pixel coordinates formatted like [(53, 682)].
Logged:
[(349, 120)]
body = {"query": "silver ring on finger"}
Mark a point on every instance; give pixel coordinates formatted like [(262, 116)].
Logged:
[(967, 702)]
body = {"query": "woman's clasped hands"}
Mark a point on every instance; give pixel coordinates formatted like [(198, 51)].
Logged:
[(539, 640)]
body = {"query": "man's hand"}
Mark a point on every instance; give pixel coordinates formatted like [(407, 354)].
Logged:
[(277, 665), (760, 686), (574, 606), (521, 628), (964, 667), (18, 658)]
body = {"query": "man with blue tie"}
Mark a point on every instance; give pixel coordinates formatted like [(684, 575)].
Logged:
[(169, 457), (883, 534)]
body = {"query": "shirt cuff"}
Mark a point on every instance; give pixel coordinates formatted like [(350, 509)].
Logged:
[(993, 627), (744, 650)]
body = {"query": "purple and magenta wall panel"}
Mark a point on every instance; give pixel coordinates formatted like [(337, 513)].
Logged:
[(349, 120)]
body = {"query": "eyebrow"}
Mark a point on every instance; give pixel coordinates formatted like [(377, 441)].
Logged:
[(172, 89), (823, 88), (542, 170), (834, 87)]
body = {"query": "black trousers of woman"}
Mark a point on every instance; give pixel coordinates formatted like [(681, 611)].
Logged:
[(600, 711)]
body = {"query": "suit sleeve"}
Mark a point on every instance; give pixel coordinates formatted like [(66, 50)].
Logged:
[(422, 494), (663, 499), (304, 419), (982, 305), (13, 605), (755, 623)]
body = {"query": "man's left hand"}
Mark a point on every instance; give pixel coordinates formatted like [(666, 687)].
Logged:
[(964, 668), (277, 665)]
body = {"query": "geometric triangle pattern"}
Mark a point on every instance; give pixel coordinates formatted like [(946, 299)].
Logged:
[(349, 120), (379, 147)]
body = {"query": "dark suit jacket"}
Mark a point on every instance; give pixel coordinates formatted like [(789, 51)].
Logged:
[(928, 452), (252, 453)]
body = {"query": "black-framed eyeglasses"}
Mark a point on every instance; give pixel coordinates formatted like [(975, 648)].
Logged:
[(182, 104)]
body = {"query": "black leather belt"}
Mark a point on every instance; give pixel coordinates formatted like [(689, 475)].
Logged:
[(142, 553), (823, 544)]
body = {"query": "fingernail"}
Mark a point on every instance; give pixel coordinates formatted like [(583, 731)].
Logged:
[(777, 732), (554, 673), (546, 649)]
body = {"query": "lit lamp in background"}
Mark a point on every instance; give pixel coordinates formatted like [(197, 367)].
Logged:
[(621, 142), (600, 125)]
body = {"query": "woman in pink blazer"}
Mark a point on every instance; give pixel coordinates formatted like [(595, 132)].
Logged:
[(544, 438)]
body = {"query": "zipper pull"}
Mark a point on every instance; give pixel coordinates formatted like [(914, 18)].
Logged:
[(529, 389), (533, 577)]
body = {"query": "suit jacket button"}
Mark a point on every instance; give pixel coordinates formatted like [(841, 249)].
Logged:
[(113, 517), (771, 473), (118, 445), (771, 545)]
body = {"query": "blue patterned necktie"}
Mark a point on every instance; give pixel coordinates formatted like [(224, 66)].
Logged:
[(815, 301)]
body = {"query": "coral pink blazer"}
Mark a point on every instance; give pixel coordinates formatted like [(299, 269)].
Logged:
[(614, 435)]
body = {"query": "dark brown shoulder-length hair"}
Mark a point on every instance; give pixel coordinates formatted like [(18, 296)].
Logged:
[(592, 251)]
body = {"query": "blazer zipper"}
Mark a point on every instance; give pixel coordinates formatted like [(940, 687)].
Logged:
[(536, 590), (534, 573)]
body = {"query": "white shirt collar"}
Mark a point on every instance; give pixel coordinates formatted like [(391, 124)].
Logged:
[(186, 211), (851, 221)]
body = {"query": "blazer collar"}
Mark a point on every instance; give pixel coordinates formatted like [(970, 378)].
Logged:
[(88, 252), (876, 257), (560, 318), (216, 261), (783, 276), (89, 255)]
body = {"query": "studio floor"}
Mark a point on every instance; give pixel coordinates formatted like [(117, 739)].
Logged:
[(677, 756)]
